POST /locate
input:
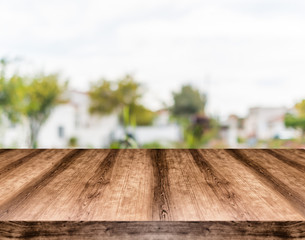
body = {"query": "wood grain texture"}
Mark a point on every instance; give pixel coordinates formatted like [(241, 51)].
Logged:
[(152, 230), (258, 193), (292, 193)]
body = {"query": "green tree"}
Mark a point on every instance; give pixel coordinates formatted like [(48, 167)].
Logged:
[(29, 99), (189, 111), (297, 121), (128, 91), (103, 99), (10, 93), (42, 93), (73, 142), (142, 115), (120, 96), (188, 101)]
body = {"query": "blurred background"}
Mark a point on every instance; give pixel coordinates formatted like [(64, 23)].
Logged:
[(152, 74)]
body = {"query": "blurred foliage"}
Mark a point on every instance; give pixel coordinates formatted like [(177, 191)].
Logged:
[(241, 140), (128, 91), (120, 96), (188, 101), (297, 121), (109, 96), (294, 121), (188, 110), (29, 98), (143, 116), (153, 145), (73, 142), (137, 115), (198, 133), (42, 94), (11, 95), (128, 142), (276, 143), (115, 145), (300, 107), (103, 99)]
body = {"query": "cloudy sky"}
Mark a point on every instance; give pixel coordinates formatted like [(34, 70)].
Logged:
[(243, 53)]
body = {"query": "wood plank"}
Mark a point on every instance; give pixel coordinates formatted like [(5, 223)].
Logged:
[(161, 206), (208, 193), (287, 160), (11, 205), (8, 156), (152, 194), (127, 194), (280, 177), (187, 199), (258, 198), (295, 156), (161, 230), (135, 194), (57, 199), (17, 178)]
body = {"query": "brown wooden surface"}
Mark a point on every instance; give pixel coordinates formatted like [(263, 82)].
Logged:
[(153, 230), (227, 189)]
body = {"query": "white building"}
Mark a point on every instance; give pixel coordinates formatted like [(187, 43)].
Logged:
[(266, 123), (162, 131), (13, 135), (230, 131), (261, 123), (72, 120), (66, 121)]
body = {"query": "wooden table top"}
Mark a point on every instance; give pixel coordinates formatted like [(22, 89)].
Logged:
[(193, 185)]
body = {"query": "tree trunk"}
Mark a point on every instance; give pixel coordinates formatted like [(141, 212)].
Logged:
[(34, 130)]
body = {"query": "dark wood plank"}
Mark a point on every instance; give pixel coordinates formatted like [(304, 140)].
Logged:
[(255, 199), (295, 198), (8, 156), (96, 184), (161, 208), (11, 204), (152, 230), (221, 187), (2, 151), (288, 160), (18, 178), (15, 164), (59, 198)]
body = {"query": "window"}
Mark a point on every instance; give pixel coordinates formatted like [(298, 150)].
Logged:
[(61, 132)]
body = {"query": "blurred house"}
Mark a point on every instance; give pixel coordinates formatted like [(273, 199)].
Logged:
[(230, 131), (162, 131), (12, 135), (69, 120), (267, 123), (73, 121), (261, 123)]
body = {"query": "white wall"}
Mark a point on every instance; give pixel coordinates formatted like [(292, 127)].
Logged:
[(75, 121), (98, 132), (13, 135), (260, 120), (162, 134), (63, 116)]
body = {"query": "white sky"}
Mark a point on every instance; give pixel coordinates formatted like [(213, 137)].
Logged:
[(243, 52)]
